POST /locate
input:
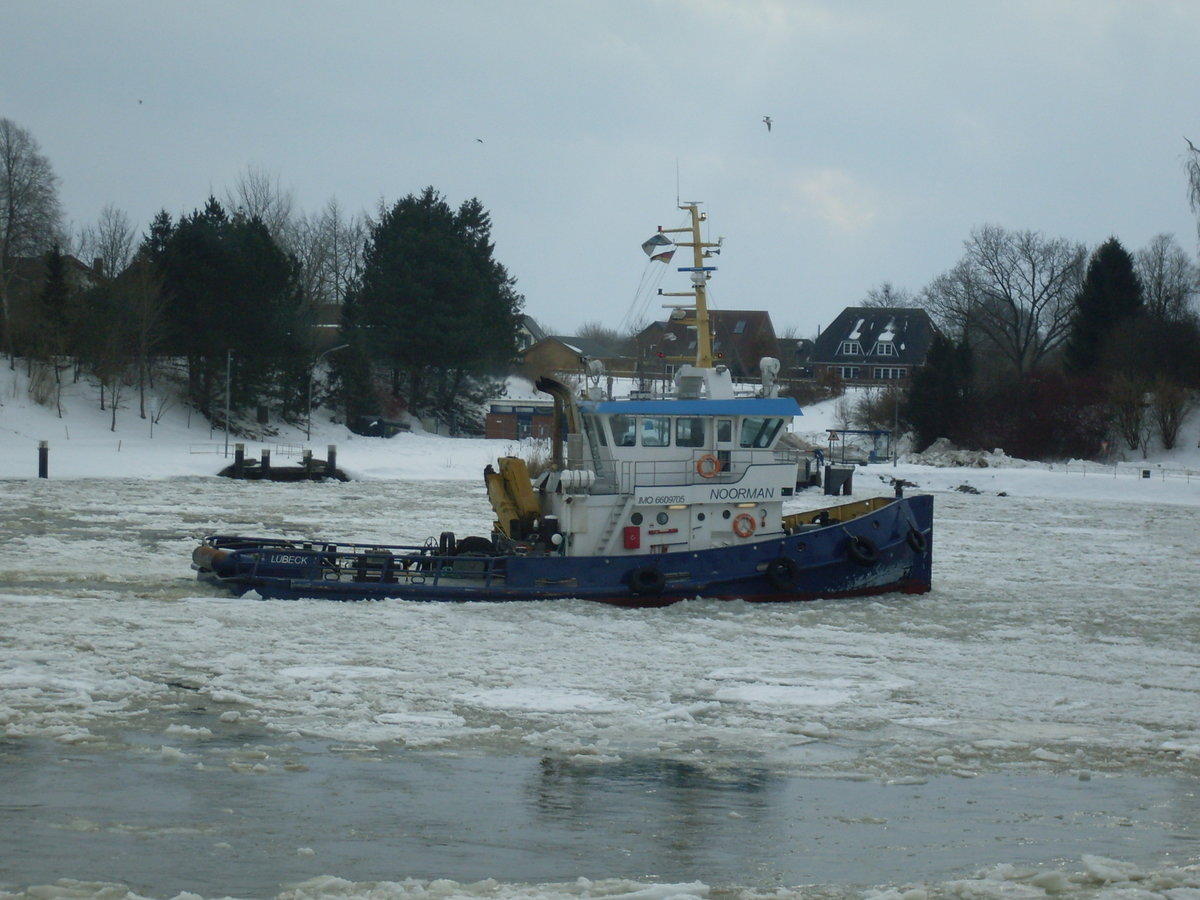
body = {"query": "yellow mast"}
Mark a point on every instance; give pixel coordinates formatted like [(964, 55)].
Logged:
[(704, 352)]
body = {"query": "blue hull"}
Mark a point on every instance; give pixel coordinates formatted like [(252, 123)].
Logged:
[(887, 550)]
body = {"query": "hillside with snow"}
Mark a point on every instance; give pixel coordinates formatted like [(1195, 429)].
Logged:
[(179, 442)]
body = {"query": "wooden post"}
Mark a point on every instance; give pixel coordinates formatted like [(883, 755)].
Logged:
[(331, 461), (266, 463), (308, 462), (43, 459), (239, 460)]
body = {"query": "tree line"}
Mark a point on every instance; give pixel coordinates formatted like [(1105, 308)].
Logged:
[(417, 312), (1046, 348), (1051, 351)]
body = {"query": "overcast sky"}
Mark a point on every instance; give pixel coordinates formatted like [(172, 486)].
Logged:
[(898, 126)]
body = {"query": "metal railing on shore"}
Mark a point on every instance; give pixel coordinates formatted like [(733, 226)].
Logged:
[(1130, 470)]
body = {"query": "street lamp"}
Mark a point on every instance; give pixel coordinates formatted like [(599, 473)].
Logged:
[(312, 375)]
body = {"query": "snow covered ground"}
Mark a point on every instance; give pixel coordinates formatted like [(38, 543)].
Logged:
[(1060, 640)]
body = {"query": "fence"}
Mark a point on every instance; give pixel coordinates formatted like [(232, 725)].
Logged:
[(1131, 470)]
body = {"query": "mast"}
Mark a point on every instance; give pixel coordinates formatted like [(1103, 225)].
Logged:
[(700, 275)]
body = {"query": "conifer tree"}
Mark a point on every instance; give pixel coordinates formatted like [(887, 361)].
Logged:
[(1110, 298), (438, 311)]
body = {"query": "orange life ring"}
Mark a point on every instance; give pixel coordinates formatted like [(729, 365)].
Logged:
[(743, 525), (707, 466)]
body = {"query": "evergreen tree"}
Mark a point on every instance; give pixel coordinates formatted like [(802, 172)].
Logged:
[(1110, 298), (939, 396), (437, 309), (230, 289), (50, 326)]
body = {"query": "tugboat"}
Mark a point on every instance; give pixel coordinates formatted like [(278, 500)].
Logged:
[(647, 501)]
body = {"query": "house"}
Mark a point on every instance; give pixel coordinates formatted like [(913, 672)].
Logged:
[(569, 355), (516, 420), (529, 332), (740, 339), (868, 345)]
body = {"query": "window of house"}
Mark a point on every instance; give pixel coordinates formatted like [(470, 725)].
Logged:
[(689, 431), (884, 348), (888, 373), (847, 372), (740, 327), (850, 348)]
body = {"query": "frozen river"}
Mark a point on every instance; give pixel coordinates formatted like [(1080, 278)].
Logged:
[(1031, 726)]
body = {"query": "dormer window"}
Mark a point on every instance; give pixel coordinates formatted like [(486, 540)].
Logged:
[(850, 348), (884, 348)]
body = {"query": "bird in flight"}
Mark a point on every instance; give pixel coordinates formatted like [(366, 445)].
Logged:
[(767, 122)]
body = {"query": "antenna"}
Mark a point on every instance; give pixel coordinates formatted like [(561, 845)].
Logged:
[(676, 181)]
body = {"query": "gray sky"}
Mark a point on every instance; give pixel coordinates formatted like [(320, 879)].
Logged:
[(898, 127)]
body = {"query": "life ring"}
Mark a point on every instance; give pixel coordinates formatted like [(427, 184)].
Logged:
[(708, 466), (647, 580), (783, 573), (917, 541), (862, 550), (743, 525)]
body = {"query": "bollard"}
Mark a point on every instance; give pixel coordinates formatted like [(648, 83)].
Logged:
[(331, 462), (239, 460), (266, 463), (43, 459)]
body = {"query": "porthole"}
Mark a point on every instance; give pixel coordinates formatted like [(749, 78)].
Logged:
[(636, 518), (699, 517), (661, 518), (725, 514)]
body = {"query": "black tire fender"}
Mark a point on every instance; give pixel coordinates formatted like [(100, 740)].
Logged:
[(647, 581), (862, 550), (916, 540), (783, 573)]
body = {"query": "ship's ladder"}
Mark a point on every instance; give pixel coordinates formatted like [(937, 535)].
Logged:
[(604, 547)]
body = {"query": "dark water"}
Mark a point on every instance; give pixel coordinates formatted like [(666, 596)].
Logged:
[(223, 828)]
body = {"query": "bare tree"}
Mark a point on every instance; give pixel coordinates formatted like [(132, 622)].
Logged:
[(1012, 291), (1170, 404), (1192, 165), (30, 215), (1170, 280), (887, 296), (330, 247), (110, 241), (257, 193)]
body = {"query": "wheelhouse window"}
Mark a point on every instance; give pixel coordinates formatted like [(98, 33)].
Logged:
[(689, 431), (624, 430), (595, 430), (656, 431), (759, 431)]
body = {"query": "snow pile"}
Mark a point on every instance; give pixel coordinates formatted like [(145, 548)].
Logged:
[(943, 454)]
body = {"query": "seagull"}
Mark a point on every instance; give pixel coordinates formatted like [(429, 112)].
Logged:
[(767, 122), (479, 140)]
